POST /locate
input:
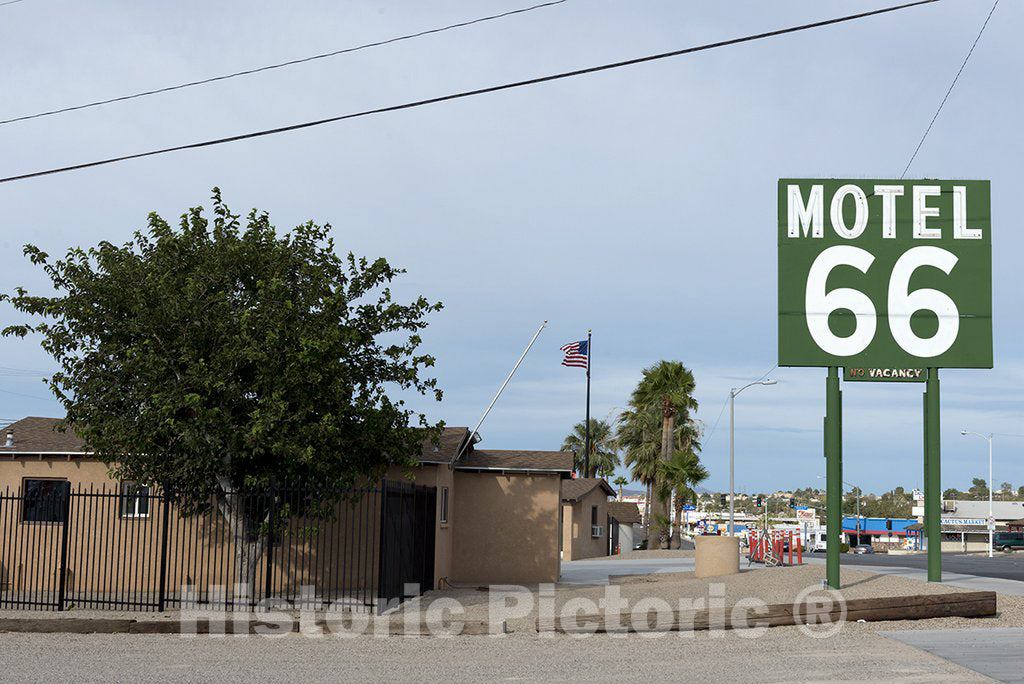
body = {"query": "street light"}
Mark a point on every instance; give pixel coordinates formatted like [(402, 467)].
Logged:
[(991, 518), (732, 442)]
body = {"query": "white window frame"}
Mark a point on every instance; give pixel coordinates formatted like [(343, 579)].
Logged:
[(140, 492), (443, 507)]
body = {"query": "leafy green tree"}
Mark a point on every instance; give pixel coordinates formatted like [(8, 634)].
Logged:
[(979, 489), (894, 504), (1005, 490), (221, 360), (667, 386), (620, 482), (852, 500), (603, 456)]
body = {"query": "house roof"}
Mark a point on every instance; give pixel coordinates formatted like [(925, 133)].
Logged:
[(504, 459), (624, 511), (444, 451), (574, 490), (38, 435), (1001, 510)]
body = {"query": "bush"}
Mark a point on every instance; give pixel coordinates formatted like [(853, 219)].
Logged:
[(844, 547)]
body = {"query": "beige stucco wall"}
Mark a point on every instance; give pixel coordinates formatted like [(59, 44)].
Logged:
[(577, 541), (78, 471), (505, 528), (507, 524)]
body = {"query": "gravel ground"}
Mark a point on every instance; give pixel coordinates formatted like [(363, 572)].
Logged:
[(855, 653), (782, 654), (770, 585)]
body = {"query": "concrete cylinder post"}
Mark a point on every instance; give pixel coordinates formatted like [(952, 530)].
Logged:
[(717, 556)]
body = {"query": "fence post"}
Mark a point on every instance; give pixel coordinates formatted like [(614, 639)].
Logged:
[(268, 584), (165, 530), (382, 576), (62, 581)]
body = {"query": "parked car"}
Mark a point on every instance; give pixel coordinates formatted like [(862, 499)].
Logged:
[(863, 548), (1008, 541)]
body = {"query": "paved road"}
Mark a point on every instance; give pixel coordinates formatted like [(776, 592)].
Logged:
[(1002, 565), (993, 652), (995, 579)]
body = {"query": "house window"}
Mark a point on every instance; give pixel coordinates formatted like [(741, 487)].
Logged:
[(593, 516), (45, 500), (444, 505), (134, 500)]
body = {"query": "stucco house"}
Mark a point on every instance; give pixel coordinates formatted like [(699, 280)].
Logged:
[(496, 517), (627, 516), (585, 518)]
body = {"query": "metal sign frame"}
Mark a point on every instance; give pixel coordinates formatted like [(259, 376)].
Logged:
[(884, 274)]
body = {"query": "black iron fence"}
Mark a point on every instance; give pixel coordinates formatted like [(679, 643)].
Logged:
[(130, 549)]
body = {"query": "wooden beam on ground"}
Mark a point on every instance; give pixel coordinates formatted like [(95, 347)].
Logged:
[(812, 611)]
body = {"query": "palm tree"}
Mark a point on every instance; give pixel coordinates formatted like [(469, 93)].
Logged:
[(639, 437), (681, 474), (621, 482), (603, 455), (668, 386)]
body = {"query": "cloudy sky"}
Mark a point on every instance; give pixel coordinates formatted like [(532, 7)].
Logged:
[(638, 202)]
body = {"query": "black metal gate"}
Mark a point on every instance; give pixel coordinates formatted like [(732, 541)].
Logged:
[(406, 542)]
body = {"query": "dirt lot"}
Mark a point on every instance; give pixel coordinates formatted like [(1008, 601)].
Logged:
[(770, 585)]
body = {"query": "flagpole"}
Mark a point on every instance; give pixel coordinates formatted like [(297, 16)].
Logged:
[(467, 442), (586, 452)]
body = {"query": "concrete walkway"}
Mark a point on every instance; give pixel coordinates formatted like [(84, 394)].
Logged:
[(598, 571), (995, 653), (972, 582)]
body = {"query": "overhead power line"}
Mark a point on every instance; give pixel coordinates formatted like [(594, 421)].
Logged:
[(950, 90), (280, 65), (28, 396), (466, 93)]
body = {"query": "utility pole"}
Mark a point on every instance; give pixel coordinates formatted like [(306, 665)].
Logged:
[(991, 517)]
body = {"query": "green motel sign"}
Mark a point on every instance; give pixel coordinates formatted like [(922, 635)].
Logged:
[(885, 273)]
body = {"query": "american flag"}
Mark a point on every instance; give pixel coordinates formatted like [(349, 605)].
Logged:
[(575, 354)]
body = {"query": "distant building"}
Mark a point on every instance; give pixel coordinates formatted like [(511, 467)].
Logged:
[(627, 515), (870, 531), (1002, 511)]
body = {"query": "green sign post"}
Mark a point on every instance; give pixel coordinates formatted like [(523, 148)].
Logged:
[(890, 280)]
